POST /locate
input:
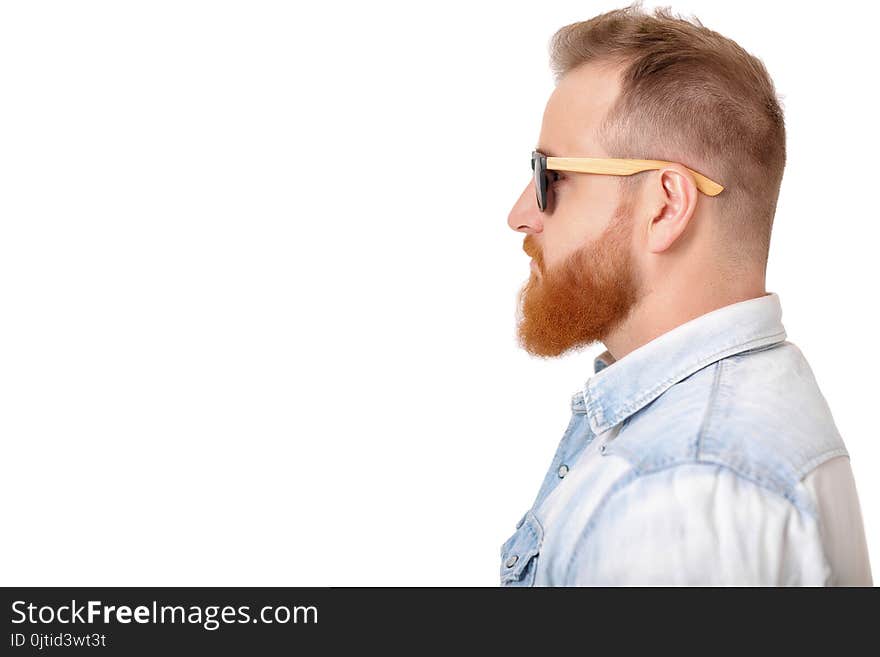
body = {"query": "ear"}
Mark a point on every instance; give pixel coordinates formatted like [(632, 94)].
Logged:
[(676, 201)]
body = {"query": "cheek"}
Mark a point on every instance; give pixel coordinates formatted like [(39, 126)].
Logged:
[(584, 209), (555, 255), (567, 238), (594, 196)]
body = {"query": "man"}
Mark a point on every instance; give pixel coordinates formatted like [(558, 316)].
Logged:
[(700, 451)]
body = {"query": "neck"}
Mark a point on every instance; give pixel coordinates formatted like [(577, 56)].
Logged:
[(661, 310)]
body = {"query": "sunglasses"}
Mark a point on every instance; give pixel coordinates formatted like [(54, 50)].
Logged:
[(543, 164)]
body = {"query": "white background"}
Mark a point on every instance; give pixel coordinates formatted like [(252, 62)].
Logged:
[(257, 288)]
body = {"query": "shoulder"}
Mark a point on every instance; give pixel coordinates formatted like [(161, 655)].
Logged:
[(695, 523), (759, 414)]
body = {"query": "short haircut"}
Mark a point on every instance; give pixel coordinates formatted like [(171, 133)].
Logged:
[(689, 95)]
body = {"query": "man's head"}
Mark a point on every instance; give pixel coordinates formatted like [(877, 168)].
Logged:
[(647, 86)]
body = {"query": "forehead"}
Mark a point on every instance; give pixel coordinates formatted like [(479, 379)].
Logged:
[(576, 108)]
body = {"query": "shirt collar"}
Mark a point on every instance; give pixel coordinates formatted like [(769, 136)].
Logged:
[(620, 388)]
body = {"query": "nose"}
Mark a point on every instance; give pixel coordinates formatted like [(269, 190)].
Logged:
[(525, 217)]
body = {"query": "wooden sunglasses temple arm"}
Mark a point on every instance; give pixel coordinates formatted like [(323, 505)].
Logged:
[(625, 167)]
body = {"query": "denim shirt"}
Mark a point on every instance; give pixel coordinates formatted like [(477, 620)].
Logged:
[(707, 456)]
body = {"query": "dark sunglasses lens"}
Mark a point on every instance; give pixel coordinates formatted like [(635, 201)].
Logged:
[(540, 181)]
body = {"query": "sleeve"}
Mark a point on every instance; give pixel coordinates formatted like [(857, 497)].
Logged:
[(696, 525), (833, 487)]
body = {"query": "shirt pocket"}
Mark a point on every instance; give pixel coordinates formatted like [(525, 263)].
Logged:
[(519, 553)]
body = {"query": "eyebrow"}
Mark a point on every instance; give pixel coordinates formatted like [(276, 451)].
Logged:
[(545, 151)]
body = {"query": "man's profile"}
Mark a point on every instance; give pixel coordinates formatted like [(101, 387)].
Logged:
[(701, 450)]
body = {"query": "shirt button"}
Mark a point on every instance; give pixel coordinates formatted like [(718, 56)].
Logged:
[(563, 470), (511, 560)]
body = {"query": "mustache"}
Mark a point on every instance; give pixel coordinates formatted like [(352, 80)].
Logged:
[(531, 251)]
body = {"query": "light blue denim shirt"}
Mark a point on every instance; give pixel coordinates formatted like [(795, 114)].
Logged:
[(707, 456)]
